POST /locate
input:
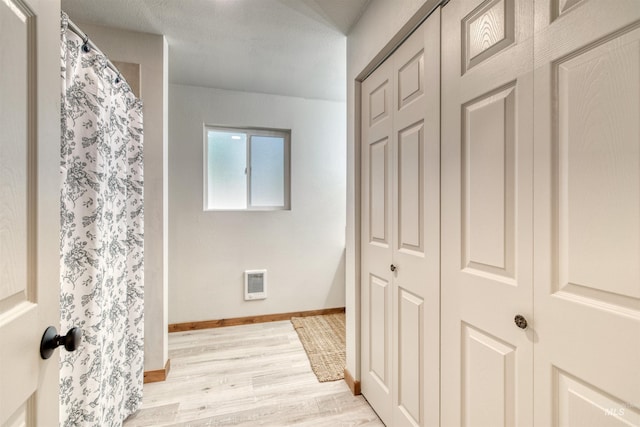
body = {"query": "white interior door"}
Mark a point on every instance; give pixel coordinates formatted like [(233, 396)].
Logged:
[(587, 213), (416, 227), (29, 208), (376, 244), (400, 232), (487, 106)]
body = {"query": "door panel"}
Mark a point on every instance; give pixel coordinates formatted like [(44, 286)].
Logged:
[(581, 404), (488, 157), (410, 187), (488, 378), (376, 245), (587, 214), (487, 62), (400, 226), (416, 201), (411, 79), (379, 100), (379, 192), (18, 21), (411, 356), (590, 250), (378, 350), (29, 194), (487, 30)]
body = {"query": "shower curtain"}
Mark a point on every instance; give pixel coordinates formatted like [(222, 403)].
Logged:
[(101, 240)]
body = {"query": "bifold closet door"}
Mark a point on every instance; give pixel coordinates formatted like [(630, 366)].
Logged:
[(400, 232), (416, 228), (376, 244), (587, 213), (487, 159)]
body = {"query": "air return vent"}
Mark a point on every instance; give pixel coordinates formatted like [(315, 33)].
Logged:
[(255, 284)]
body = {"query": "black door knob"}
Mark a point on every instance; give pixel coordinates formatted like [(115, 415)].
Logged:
[(393, 267), (520, 321), (51, 340)]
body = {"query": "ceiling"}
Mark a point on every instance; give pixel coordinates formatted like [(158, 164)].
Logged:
[(285, 47)]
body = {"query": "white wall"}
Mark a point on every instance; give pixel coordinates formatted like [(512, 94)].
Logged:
[(302, 249), (151, 52), (381, 26)]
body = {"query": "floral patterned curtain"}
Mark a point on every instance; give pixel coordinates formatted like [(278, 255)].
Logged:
[(101, 240)]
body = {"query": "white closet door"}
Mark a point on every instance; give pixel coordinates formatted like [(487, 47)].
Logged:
[(400, 232), (487, 111), (587, 213), (376, 244), (416, 220)]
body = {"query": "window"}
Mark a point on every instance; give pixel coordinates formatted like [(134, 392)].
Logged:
[(246, 169)]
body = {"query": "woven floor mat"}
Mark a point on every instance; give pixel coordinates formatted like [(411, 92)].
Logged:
[(323, 338)]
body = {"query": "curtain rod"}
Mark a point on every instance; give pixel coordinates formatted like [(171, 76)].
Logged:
[(85, 39)]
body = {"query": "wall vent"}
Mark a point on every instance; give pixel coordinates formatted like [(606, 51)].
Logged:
[(255, 284)]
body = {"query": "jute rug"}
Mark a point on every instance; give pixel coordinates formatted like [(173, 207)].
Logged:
[(323, 338)]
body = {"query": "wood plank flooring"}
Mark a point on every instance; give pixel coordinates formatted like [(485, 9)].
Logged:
[(246, 376)]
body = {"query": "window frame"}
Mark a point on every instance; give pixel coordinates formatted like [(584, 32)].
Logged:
[(249, 132)]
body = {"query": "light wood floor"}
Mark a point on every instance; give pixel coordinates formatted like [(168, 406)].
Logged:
[(246, 376)]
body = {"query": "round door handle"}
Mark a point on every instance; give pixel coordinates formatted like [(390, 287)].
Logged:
[(51, 340), (393, 267), (520, 321)]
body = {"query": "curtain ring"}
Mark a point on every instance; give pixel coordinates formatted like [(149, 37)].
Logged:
[(85, 44)]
